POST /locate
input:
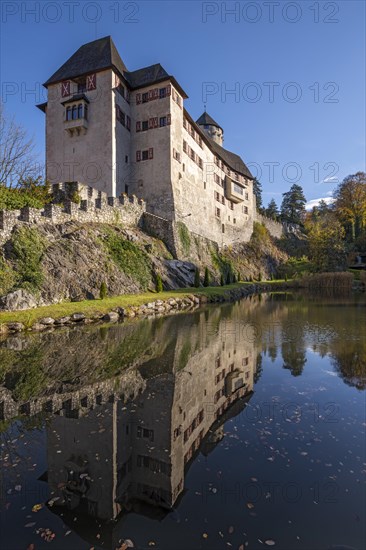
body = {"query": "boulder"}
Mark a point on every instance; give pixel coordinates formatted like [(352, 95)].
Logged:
[(18, 300), (16, 327), (46, 321), (63, 321), (77, 317), (39, 327), (111, 317)]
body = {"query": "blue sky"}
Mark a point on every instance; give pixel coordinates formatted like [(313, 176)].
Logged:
[(296, 113)]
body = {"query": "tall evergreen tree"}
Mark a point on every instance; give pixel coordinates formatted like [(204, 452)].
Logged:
[(293, 205), (272, 210), (257, 190)]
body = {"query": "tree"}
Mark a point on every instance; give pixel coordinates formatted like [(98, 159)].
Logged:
[(17, 158), (293, 205), (326, 244), (103, 291), (206, 281), (257, 191), (350, 204), (158, 283), (272, 211), (197, 278)]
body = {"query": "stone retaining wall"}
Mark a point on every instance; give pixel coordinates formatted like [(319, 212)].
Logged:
[(93, 206)]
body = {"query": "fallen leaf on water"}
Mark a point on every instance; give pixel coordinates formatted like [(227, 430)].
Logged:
[(151, 543), (250, 505), (205, 535), (37, 507), (29, 524), (269, 542)]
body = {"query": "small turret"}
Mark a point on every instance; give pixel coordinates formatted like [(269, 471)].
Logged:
[(211, 128)]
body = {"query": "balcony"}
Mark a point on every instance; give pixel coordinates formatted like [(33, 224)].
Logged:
[(77, 126), (234, 191)]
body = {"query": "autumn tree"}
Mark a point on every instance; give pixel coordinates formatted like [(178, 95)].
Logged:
[(293, 205), (350, 204), (327, 247)]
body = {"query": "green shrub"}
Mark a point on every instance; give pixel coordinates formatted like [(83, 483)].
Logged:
[(184, 237), (32, 193), (103, 291), (133, 261), (27, 250), (159, 283), (197, 282), (206, 281)]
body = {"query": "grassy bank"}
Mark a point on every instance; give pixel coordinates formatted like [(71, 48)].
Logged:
[(95, 307)]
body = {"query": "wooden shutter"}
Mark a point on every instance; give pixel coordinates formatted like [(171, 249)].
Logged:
[(156, 93), (65, 88), (138, 156), (168, 90), (151, 123), (138, 126), (151, 95), (169, 119), (138, 98), (156, 122), (91, 82), (151, 153)]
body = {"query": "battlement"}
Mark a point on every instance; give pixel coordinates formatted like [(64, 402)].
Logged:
[(72, 201)]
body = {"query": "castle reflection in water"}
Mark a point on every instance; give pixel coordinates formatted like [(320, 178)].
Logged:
[(132, 453)]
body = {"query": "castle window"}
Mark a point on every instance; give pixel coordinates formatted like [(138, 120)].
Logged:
[(145, 97), (184, 146), (162, 93), (176, 155), (85, 111), (68, 113), (223, 199), (223, 228), (74, 112), (121, 89), (245, 210), (162, 121), (145, 155), (234, 220), (247, 196), (126, 159), (80, 110), (200, 163), (145, 125), (217, 212)]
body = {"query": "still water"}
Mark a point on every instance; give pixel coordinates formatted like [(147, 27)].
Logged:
[(234, 426)]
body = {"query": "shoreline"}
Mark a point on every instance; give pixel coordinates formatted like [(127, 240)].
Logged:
[(117, 308)]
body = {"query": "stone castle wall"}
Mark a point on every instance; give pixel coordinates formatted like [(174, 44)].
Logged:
[(276, 229), (92, 206)]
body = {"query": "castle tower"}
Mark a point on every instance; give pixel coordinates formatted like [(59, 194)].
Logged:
[(211, 128)]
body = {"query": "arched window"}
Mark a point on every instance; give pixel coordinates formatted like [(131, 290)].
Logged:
[(74, 112), (80, 110), (68, 113)]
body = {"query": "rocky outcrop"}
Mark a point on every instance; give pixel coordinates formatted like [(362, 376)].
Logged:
[(18, 300)]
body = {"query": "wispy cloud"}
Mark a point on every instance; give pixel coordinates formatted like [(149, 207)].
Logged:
[(333, 179), (314, 202)]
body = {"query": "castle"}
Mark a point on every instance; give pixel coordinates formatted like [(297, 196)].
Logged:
[(118, 131)]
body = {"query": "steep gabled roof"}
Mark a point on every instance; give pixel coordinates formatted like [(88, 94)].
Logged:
[(233, 161), (92, 57), (146, 76), (206, 119)]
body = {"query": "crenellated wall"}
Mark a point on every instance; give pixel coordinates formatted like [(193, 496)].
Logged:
[(92, 207), (276, 229)]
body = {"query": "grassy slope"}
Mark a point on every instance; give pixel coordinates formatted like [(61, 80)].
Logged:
[(93, 307)]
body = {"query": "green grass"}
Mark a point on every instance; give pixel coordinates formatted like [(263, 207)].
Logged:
[(95, 307)]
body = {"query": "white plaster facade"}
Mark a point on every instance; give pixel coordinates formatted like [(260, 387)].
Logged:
[(140, 140)]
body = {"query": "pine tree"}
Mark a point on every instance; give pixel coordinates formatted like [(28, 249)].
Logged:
[(272, 211), (293, 205), (206, 281), (197, 281), (257, 191), (159, 283)]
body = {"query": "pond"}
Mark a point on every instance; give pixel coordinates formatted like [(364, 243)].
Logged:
[(233, 426)]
